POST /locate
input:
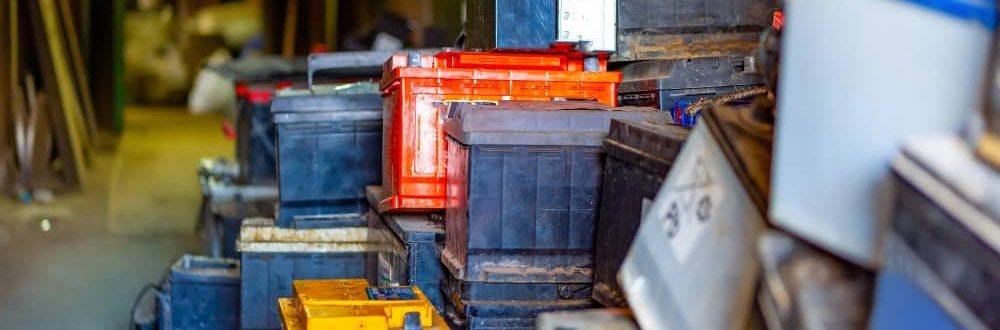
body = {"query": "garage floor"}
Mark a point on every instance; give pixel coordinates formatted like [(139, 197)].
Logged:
[(79, 261)]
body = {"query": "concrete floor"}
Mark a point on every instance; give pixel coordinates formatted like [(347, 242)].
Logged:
[(101, 247)]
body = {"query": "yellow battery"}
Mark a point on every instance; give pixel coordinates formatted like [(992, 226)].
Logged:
[(290, 314), (352, 304)]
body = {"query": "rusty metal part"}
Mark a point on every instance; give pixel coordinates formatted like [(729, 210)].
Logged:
[(739, 94)]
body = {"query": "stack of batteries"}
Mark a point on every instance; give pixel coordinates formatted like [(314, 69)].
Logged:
[(233, 191), (524, 189), (428, 97), (328, 147), (353, 304), (676, 55)]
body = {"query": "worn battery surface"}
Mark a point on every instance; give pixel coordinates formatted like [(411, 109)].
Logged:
[(639, 156), (329, 148), (406, 250), (459, 290), (943, 249), (517, 24), (524, 189), (651, 29), (204, 293), (672, 85), (353, 304), (696, 242), (420, 89), (272, 257), (517, 315)]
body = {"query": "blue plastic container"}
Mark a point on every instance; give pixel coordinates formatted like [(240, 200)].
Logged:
[(270, 265), (900, 304), (329, 148), (408, 253), (204, 293), (512, 24), (524, 185)]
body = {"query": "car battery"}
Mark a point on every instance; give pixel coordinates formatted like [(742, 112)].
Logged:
[(405, 250), (524, 186), (653, 29), (942, 251), (673, 85), (803, 287), (639, 156), (839, 199), (329, 148), (204, 293), (514, 315), (696, 241), (419, 89), (272, 257), (516, 24), (352, 304)]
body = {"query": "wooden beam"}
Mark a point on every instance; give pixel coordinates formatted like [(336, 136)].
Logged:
[(63, 110), (79, 72), (291, 24)]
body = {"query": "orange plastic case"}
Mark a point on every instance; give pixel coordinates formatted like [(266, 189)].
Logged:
[(416, 99)]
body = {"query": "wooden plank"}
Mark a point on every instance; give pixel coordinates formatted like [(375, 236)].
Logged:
[(291, 24), (64, 113), (41, 175), (56, 40), (330, 25), (79, 72)]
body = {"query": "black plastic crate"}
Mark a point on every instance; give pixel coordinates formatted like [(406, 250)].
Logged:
[(329, 148), (524, 186), (204, 293)]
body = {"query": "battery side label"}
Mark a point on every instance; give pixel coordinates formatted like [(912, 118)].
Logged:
[(588, 20), (691, 203)]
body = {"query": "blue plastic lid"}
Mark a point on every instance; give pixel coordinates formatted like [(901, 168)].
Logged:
[(982, 11)]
